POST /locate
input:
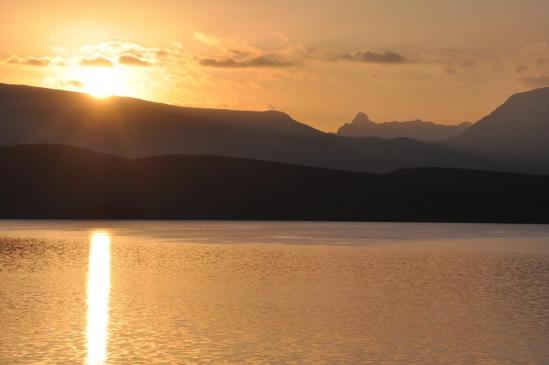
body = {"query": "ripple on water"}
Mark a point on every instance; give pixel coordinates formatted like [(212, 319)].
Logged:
[(474, 299)]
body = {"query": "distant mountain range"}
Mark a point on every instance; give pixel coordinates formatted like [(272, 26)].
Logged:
[(362, 126), (135, 128), (52, 181), (517, 132), (513, 138)]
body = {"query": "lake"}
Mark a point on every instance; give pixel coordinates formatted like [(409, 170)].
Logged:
[(170, 292)]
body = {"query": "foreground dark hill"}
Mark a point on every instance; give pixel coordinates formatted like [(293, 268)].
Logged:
[(136, 128), (516, 132), (362, 126), (48, 181)]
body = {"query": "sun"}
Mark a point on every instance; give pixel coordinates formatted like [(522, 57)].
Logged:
[(102, 82)]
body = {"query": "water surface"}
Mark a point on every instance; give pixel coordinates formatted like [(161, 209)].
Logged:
[(131, 292)]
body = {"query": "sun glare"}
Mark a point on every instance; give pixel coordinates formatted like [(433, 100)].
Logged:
[(102, 82)]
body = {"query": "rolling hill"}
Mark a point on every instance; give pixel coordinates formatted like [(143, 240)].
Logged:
[(52, 181)]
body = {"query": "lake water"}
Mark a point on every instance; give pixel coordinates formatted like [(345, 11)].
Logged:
[(132, 292)]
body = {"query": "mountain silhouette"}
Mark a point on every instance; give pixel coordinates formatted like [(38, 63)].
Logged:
[(516, 132), (129, 127), (362, 126), (52, 181)]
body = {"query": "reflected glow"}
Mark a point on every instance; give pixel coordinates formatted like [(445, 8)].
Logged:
[(99, 284)]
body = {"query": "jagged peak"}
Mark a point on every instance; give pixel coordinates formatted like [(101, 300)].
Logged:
[(361, 118)]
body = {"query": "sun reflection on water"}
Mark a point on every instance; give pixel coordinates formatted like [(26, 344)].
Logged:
[(99, 283)]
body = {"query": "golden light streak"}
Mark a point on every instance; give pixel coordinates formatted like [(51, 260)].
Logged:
[(98, 293)]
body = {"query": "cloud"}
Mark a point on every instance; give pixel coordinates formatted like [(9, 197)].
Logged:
[(536, 81), (246, 56), (35, 61), (96, 62), (450, 70), (521, 68), (468, 63), (117, 49), (282, 37), (240, 54), (108, 47), (374, 57), (74, 83), (265, 61), (130, 60), (209, 40), (542, 61), (535, 56), (145, 55), (161, 52)]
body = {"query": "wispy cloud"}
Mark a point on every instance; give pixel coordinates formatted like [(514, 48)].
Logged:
[(102, 54), (35, 61), (96, 62), (536, 81), (245, 56), (267, 60), (129, 60), (74, 84), (542, 61), (207, 39), (117, 49), (521, 69), (387, 57)]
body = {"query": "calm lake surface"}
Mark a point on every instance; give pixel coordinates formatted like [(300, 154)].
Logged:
[(134, 292)]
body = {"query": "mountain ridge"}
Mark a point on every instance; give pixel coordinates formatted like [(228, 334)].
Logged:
[(233, 117), (363, 126), (516, 131), (136, 128)]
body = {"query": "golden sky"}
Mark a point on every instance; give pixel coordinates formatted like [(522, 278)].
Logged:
[(320, 61)]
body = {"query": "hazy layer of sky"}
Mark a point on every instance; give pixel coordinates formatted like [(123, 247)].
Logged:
[(321, 61)]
